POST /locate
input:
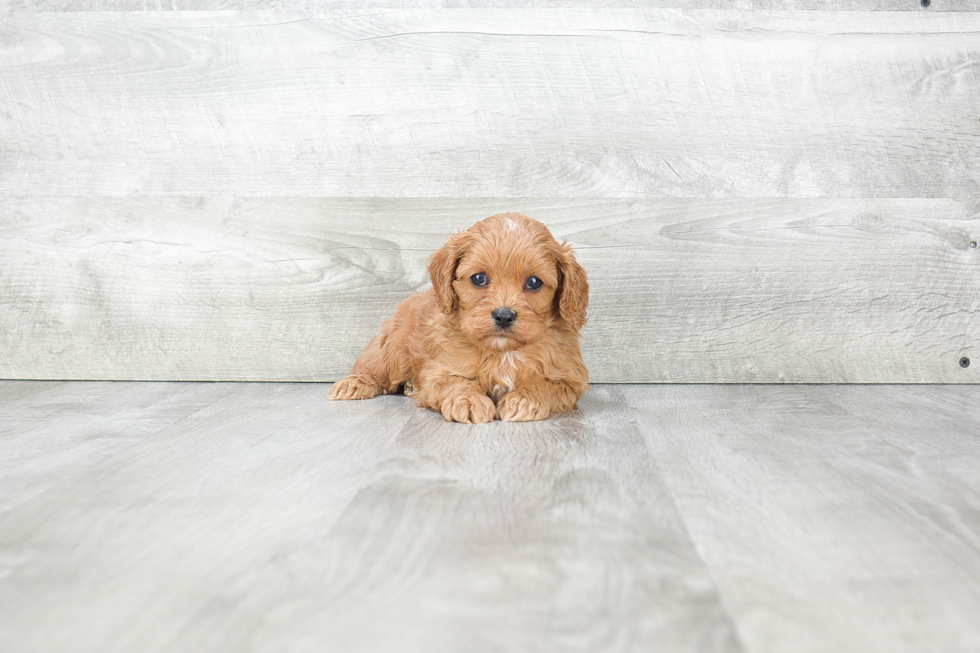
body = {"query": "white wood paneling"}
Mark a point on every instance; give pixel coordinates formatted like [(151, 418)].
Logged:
[(245, 194), (501, 102), (682, 290), (386, 5)]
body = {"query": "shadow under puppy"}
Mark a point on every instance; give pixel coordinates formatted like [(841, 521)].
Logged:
[(497, 336)]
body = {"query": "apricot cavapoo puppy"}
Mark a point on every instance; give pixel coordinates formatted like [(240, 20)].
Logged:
[(496, 337)]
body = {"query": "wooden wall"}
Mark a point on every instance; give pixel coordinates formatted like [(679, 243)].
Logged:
[(775, 192)]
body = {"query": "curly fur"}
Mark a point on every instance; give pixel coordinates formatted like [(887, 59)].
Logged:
[(443, 348)]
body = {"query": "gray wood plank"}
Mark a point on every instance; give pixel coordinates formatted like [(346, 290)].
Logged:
[(182, 536), (14, 392), (839, 518), (276, 520), (383, 5), (682, 290), (528, 537), (52, 431), (495, 102)]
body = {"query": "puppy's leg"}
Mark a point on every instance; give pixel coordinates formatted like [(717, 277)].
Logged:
[(356, 386), (536, 398), (458, 399), (381, 369)]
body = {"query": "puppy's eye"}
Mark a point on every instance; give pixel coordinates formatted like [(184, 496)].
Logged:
[(479, 279), (533, 283)]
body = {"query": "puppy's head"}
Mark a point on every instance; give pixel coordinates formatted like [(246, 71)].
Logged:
[(508, 281)]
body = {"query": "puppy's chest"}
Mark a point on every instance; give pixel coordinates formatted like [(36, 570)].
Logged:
[(501, 373)]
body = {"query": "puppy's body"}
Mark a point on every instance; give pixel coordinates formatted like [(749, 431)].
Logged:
[(504, 349)]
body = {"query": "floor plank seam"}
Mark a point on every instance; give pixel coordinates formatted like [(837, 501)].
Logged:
[(695, 546)]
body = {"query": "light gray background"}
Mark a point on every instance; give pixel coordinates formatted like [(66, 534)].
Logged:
[(245, 194)]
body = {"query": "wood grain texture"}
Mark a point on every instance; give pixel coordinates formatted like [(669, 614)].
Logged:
[(864, 291), (839, 518), (276, 520), (383, 5), (262, 517), (494, 102), (54, 432), (244, 153)]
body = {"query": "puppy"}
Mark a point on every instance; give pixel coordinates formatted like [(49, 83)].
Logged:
[(497, 336)]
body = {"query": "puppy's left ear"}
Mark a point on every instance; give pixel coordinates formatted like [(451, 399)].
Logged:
[(573, 288), (442, 271)]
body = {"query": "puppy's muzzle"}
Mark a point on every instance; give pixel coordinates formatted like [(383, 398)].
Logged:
[(504, 317)]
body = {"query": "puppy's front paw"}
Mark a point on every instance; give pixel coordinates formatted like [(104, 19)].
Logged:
[(469, 409), (515, 406), (355, 386)]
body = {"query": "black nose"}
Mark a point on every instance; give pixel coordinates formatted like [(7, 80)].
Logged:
[(504, 317)]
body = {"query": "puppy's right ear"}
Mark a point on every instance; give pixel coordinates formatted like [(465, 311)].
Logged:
[(442, 271)]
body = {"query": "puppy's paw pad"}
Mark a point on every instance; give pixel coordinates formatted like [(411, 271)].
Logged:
[(516, 407), (469, 409), (355, 387)]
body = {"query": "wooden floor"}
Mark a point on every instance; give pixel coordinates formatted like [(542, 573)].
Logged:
[(262, 517)]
